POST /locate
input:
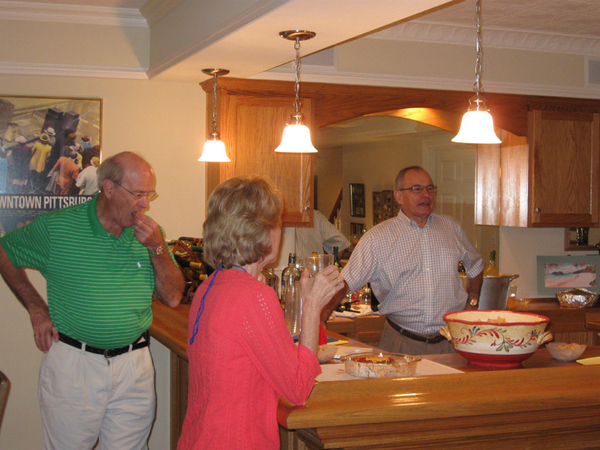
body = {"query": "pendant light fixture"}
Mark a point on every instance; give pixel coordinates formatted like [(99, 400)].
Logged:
[(296, 135), (477, 126), (214, 149)]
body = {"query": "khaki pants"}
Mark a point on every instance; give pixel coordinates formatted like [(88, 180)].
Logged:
[(392, 341), (85, 398)]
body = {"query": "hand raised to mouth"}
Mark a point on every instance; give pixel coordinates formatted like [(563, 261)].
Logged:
[(147, 231)]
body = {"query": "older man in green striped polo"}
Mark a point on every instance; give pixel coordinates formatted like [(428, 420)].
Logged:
[(102, 260)]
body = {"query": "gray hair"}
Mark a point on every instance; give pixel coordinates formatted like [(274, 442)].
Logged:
[(400, 177), (115, 167)]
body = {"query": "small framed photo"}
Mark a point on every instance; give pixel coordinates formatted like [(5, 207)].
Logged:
[(377, 213), (357, 229), (387, 204), (357, 200), (558, 273)]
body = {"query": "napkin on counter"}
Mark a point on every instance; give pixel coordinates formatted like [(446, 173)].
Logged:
[(589, 361), (330, 341), (361, 310)]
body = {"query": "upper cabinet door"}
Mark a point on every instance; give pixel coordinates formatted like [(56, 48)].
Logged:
[(564, 168), (251, 127)]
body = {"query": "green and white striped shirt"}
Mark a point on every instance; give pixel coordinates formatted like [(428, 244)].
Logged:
[(99, 288)]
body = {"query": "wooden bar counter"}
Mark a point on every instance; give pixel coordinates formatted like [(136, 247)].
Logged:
[(546, 404)]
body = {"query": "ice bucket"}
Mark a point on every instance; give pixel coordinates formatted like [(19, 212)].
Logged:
[(494, 292)]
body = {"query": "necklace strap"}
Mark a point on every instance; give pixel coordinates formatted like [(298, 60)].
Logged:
[(201, 308)]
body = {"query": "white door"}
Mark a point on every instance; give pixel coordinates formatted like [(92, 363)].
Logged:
[(452, 167)]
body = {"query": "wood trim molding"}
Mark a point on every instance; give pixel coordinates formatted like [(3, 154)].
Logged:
[(334, 103)]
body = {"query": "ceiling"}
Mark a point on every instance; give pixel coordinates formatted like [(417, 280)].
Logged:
[(554, 17), (568, 26)]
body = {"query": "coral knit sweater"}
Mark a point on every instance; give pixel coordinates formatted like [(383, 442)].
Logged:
[(242, 360)]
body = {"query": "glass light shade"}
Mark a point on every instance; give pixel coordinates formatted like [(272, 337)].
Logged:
[(296, 139), (477, 127), (214, 151)]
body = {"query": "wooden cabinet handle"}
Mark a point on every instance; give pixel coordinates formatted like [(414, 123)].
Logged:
[(537, 210)]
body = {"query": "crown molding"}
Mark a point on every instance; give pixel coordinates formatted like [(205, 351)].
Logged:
[(317, 74), (154, 10), (422, 31), (64, 70), (88, 15)]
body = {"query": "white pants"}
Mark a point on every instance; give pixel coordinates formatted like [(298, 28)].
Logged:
[(85, 398)]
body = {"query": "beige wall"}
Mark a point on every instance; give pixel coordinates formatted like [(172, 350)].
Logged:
[(165, 123), (74, 44)]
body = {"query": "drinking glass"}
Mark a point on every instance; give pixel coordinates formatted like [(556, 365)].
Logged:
[(316, 263)]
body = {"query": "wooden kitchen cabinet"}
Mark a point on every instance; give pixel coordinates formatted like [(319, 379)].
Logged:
[(251, 118), (549, 179), (565, 161)]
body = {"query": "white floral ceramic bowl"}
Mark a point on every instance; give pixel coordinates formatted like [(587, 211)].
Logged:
[(501, 339)]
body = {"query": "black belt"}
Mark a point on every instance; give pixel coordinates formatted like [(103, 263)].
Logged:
[(417, 337), (109, 352)]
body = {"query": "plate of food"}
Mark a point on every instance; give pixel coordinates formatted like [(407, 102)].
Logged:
[(381, 365)]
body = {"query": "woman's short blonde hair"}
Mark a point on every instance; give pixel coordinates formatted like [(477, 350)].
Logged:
[(241, 213)]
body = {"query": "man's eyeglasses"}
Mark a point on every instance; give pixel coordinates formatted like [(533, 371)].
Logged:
[(418, 189), (149, 195)]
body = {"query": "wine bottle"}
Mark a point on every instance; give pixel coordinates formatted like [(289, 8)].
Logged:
[(292, 302), (336, 258), (491, 270), (291, 261)]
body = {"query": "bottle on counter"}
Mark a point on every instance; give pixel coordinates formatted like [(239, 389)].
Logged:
[(292, 302), (291, 261), (491, 270), (300, 266), (336, 258), (366, 299)]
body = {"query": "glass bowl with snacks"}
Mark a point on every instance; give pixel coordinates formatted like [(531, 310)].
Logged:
[(381, 365), (564, 351)]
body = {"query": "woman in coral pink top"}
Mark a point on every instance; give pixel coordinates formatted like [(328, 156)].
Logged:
[(241, 355)]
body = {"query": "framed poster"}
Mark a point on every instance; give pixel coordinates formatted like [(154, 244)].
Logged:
[(357, 200), (558, 273), (45, 144)]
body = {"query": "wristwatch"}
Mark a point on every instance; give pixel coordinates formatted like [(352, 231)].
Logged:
[(158, 250), (474, 302)]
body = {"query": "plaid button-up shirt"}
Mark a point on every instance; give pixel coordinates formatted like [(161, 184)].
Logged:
[(413, 271)]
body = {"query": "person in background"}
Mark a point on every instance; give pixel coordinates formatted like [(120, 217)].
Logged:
[(51, 136), (87, 180), (242, 358), (86, 157), (40, 154), (411, 262), (322, 236), (86, 143), (3, 169), (18, 157), (103, 260), (68, 170), (69, 143)]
